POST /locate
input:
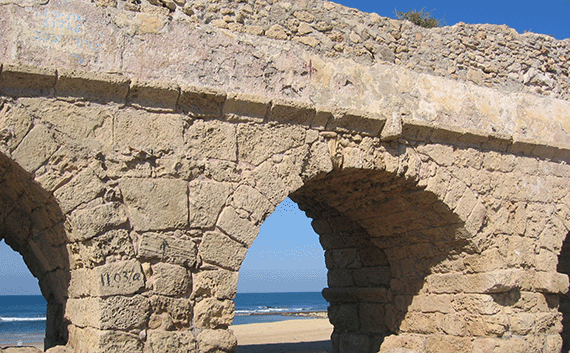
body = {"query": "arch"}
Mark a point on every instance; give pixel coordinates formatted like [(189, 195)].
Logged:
[(564, 305), (32, 223)]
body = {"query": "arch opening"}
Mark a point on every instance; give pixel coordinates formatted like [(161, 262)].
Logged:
[(564, 303), (32, 224), (383, 236)]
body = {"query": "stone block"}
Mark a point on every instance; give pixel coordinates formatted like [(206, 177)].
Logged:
[(148, 134), (445, 343), (155, 204), (36, 147), (246, 107), (103, 341), (344, 317), (500, 345), (24, 78), (241, 229), (221, 250), (212, 341), (258, 144), (353, 342), (551, 282), (207, 198), (403, 343), (178, 309), (111, 246), (201, 102), (170, 280), (153, 95), (168, 249), (212, 313), (89, 222), (481, 304), (445, 283), (117, 278), (114, 313), (253, 202), (435, 303), (522, 323), (211, 139), (291, 112), (220, 284), (365, 123), (498, 281), (170, 342), (83, 188), (371, 316), (93, 86)]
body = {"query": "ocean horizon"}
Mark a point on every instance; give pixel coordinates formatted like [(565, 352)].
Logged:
[(23, 317)]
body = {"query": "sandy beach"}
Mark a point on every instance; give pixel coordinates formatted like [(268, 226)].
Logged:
[(306, 336), (299, 336)]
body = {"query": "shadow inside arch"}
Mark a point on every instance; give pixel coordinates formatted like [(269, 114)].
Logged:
[(32, 224), (382, 235), (564, 304)]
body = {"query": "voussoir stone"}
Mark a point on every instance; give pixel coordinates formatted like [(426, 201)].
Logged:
[(154, 204)]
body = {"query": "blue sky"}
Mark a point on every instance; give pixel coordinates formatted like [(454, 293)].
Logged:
[(287, 256)]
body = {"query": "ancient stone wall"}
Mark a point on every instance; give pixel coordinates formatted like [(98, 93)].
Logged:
[(143, 144), (433, 242), (488, 55)]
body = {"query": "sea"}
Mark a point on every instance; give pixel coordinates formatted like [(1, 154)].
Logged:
[(23, 317)]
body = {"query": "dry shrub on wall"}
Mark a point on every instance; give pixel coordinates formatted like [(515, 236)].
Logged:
[(420, 18)]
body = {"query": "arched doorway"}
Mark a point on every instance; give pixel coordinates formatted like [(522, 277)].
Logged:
[(564, 305), (31, 223), (383, 237)]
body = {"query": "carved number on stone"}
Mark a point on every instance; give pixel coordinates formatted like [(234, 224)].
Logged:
[(118, 278)]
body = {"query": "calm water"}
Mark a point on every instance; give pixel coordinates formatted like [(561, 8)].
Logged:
[(23, 317)]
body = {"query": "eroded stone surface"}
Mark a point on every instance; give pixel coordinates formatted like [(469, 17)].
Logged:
[(135, 171)]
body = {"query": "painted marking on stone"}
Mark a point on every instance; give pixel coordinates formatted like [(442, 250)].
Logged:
[(118, 278)]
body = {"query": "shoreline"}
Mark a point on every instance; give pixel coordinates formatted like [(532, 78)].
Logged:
[(309, 334), (315, 314)]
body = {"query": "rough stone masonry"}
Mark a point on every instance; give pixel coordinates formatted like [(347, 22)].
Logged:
[(143, 143)]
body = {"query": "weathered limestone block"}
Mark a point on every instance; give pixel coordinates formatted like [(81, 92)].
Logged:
[(408, 343), (344, 316), (496, 282), (92, 125), (291, 112), (253, 202), (246, 107), (38, 145), (204, 208), (153, 94), (237, 227), (212, 313), (257, 143), (14, 125), (85, 187), (171, 280), (149, 133), (220, 284), (479, 304), (89, 222), (103, 341), (113, 245), (216, 340), (178, 309), (221, 250), (115, 312), (170, 342), (155, 204), (167, 248), (27, 77), (201, 102), (92, 85), (117, 278), (211, 139), (446, 343)]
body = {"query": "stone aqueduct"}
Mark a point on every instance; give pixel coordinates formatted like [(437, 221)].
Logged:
[(144, 143)]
